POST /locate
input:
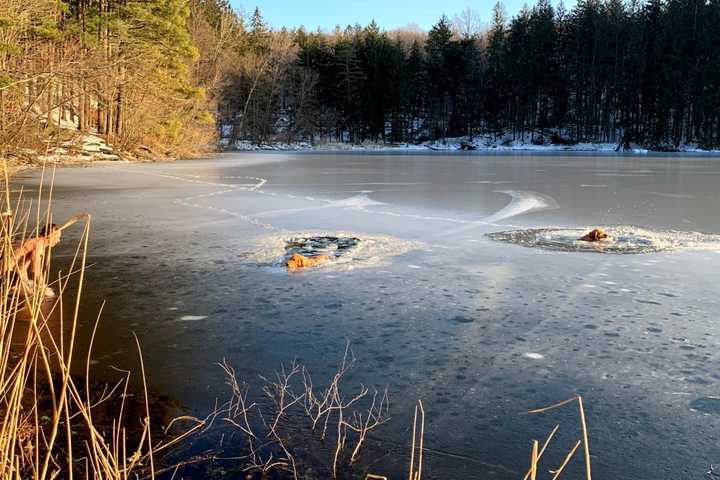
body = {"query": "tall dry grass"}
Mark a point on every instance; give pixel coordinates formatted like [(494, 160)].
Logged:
[(338, 425), (48, 423), (535, 469)]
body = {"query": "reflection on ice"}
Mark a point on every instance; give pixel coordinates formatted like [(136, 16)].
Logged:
[(623, 239)]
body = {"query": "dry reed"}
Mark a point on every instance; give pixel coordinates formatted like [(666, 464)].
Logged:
[(47, 426)]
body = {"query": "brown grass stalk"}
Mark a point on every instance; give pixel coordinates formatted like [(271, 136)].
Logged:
[(47, 426)]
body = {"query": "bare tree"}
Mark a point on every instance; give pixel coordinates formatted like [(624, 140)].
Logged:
[(467, 24)]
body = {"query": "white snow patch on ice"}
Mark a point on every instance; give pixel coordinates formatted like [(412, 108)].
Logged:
[(673, 195), (533, 356), (357, 202), (493, 182), (521, 203), (192, 318)]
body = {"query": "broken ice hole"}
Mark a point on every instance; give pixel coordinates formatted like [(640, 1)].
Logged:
[(322, 245)]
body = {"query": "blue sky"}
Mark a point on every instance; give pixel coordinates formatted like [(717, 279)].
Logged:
[(388, 14)]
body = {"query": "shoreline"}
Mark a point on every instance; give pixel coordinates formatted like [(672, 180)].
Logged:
[(88, 149), (481, 145), (31, 160)]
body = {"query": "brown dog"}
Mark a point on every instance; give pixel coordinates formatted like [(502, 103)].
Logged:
[(594, 235), (297, 261)]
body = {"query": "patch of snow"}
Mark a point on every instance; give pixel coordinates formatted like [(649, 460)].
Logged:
[(192, 318), (522, 202), (357, 202), (81, 148), (477, 143)]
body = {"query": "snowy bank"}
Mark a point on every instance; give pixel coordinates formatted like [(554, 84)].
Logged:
[(480, 143)]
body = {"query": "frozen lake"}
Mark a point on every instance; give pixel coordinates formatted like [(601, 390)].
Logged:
[(480, 330)]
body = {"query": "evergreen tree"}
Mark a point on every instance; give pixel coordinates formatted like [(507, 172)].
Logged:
[(496, 95), (439, 82), (349, 76), (151, 74), (414, 90)]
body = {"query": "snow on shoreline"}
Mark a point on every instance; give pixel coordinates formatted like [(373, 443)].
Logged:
[(477, 144)]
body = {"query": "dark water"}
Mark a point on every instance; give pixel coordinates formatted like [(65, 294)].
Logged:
[(480, 330)]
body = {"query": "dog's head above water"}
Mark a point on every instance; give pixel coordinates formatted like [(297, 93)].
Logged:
[(594, 235)]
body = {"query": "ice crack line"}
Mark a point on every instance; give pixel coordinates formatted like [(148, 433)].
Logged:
[(191, 201), (521, 202), (259, 181)]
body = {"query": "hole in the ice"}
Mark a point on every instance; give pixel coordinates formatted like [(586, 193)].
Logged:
[(307, 252), (339, 251), (622, 239), (322, 245)]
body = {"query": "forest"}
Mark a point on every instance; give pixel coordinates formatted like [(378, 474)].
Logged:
[(178, 76)]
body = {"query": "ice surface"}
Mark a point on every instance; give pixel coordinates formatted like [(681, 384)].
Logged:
[(435, 309)]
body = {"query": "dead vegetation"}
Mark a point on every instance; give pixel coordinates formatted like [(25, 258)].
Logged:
[(536, 455), (333, 418), (49, 421), (111, 71), (338, 422)]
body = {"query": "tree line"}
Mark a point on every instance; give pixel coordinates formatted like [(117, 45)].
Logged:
[(169, 76), (604, 71), (129, 71)]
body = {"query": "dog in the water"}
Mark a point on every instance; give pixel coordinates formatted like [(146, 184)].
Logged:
[(594, 236), (297, 261)]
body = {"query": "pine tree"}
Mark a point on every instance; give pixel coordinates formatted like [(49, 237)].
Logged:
[(414, 93), (439, 83), (349, 76), (496, 93)]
